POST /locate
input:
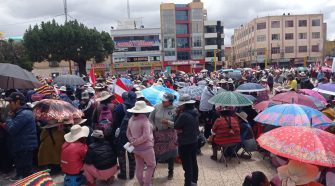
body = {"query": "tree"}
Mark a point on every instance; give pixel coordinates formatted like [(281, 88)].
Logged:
[(14, 53), (71, 41)]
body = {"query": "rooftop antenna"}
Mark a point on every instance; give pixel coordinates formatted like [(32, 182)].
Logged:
[(65, 9), (128, 9)]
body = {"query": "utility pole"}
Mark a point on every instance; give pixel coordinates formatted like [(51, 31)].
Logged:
[(65, 10)]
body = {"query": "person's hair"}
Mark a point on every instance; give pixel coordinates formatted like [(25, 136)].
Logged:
[(189, 106), (255, 179)]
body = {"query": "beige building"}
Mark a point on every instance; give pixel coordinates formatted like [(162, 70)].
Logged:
[(286, 40)]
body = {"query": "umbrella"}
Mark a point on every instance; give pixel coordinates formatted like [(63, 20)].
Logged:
[(194, 91), (154, 94), (250, 87), (319, 104), (126, 81), (264, 104), (328, 88), (314, 94), (302, 69), (228, 98), (71, 80), (305, 144), (202, 82), (226, 70), (15, 77), (58, 110), (326, 69), (293, 115), (250, 97), (236, 74), (293, 97)]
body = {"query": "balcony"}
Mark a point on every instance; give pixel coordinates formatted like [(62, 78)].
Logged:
[(184, 49)]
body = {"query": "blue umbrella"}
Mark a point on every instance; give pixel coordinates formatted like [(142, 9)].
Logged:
[(250, 97), (250, 87), (126, 81), (154, 94)]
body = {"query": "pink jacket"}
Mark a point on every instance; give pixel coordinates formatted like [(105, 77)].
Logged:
[(139, 133)]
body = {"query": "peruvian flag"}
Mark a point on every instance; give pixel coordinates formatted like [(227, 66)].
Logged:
[(92, 76), (119, 89)]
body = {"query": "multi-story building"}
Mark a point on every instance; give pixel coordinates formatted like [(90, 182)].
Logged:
[(213, 33), (137, 50), (286, 40), (182, 30)]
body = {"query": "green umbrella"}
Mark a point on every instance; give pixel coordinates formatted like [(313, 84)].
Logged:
[(229, 98)]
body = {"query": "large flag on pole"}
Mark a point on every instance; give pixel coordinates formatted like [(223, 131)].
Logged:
[(92, 76), (119, 89)]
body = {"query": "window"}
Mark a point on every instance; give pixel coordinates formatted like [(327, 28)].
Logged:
[(289, 23), (183, 43), (316, 22), (210, 29), (151, 48), (155, 58), (288, 36), (302, 49), (289, 49), (182, 15), (303, 35), (260, 51), (197, 27), (315, 35), (275, 24), (261, 38), (261, 26), (275, 50), (197, 54), (170, 53), (197, 14), (315, 48), (275, 37), (169, 42), (196, 41), (182, 29), (168, 22), (302, 23), (183, 55), (210, 41)]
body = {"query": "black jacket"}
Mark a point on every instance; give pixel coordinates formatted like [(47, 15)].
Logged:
[(101, 155), (188, 123)]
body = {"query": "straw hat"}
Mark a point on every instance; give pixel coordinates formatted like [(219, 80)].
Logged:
[(297, 173), (243, 116), (62, 88), (223, 81), (76, 133), (185, 99), (139, 94), (141, 107), (211, 82), (98, 134), (99, 86), (79, 121), (264, 80), (103, 96), (302, 74), (230, 80)]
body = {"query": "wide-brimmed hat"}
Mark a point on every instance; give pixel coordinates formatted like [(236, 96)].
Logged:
[(264, 80), (302, 74), (141, 107), (230, 80), (99, 86), (168, 97), (76, 133), (62, 88), (223, 81), (88, 85), (139, 94), (98, 134), (90, 90), (185, 99), (103, 96), (85, 95), (211, 82), (79, 121), (297, 173), (243, 116), (109, 81)]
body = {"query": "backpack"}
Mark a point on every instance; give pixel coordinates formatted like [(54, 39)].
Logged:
[(105, 118)]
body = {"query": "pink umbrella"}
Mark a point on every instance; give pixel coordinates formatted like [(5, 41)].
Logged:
[(314, 93), (264, 105), (293, 97), (326, 69)]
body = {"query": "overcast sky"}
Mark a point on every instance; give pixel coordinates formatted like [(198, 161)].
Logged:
[(17, 15)]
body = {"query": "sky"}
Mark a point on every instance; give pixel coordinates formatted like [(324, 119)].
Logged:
[(17, 15)]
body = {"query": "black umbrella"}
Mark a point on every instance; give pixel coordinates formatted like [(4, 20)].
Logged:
[(72, 80), (15, 77)]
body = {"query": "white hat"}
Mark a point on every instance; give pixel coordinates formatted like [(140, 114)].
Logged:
[(141, 107), (76, 133), (204, 71), (91, 90), (62, 88), (103, 96), (88, 85), (302, 74), (243, 116), (230, 80), (98, 134), (79, 121), (297, 173), (223, 81), (264, 80), (185, 99), (210, 83), (139, 94)]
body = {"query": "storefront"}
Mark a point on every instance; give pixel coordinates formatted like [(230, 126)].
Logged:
[(187, 66), (137, 67), (100, 68)]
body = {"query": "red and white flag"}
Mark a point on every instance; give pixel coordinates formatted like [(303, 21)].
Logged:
[(119, 89), (92, 76)]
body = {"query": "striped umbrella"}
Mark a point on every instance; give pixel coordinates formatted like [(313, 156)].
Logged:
[(250, 87), (229, 98)]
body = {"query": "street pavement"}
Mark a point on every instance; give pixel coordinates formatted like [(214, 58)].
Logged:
[(211, 173)]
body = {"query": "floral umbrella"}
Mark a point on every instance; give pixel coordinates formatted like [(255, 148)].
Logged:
[(58, 110), (305, 144), (293, 115)]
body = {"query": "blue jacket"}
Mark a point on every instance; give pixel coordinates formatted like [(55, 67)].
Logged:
[(22, 130)]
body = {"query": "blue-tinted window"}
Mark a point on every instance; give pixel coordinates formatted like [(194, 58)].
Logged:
[(183, 43), (182, 15), (182, 29), (183, 55)]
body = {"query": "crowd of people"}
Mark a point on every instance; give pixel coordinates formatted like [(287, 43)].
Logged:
[(113, 134)]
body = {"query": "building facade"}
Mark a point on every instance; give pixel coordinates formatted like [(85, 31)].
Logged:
[(286, 40), (182, 31), (214, 43), (137, 50)]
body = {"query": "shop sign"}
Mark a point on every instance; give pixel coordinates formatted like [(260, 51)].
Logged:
[(98, 65), (136, 43), (137, 64), (135, 59), (185, 62)]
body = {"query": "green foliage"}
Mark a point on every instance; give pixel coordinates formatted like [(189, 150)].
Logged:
[(15, 53), (71, 41)]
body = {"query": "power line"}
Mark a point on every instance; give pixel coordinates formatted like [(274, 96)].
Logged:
[(25, 22)]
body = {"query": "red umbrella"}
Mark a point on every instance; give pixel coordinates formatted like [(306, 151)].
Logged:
[(264, 105), (305, 144), (293, 97)]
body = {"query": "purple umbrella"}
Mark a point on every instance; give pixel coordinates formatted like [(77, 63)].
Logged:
[(328, 88)]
